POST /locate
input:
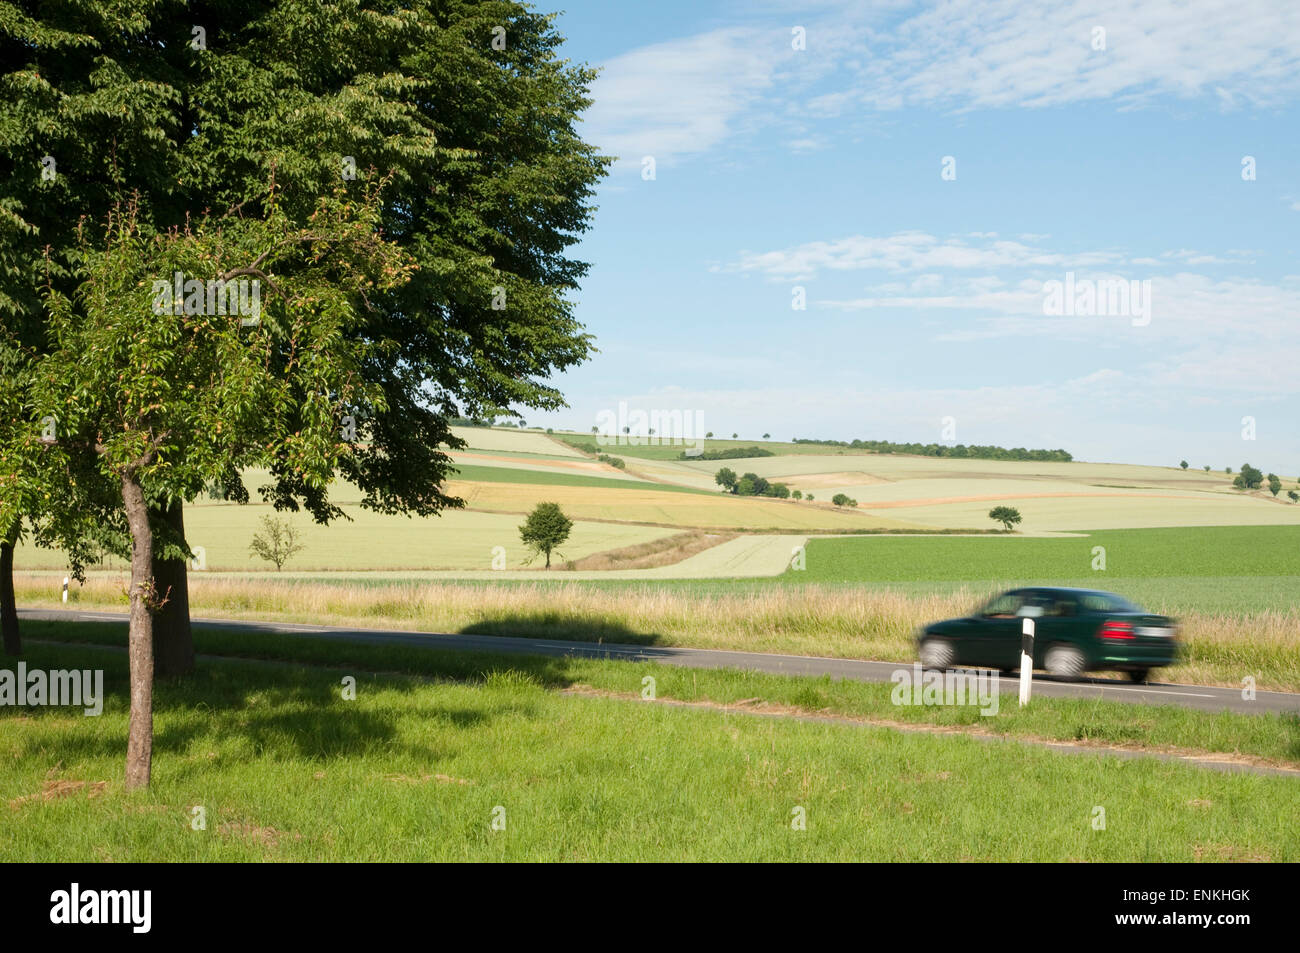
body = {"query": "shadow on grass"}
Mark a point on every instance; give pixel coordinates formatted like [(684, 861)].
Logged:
[(568, 628), (273, 707)]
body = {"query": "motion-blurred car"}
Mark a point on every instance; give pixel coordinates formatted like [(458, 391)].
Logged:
[(1076, 631)]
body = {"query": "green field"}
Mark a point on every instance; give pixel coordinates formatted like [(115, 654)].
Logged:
[(417, 770), (1211, 551), (481, 474)]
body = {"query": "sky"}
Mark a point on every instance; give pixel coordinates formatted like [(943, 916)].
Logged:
[(927, 177)]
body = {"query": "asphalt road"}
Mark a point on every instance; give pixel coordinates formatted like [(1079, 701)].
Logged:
[(1157, 693)]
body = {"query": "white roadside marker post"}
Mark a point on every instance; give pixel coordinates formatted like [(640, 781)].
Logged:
[(1026, 660), (65, 589)]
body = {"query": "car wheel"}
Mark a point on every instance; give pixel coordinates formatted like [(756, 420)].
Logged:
[(1139, 675), (1065, 661), (937, 654)]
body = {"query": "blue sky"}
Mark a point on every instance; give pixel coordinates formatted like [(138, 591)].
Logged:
[(820, 169)]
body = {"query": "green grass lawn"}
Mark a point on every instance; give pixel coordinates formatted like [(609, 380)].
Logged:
[(414, 770)]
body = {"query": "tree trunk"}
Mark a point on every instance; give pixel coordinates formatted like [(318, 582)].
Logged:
[(173, 640), (8, 603), (139, 743)]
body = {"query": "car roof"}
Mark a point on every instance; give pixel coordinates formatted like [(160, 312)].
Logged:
[(1068, 590)]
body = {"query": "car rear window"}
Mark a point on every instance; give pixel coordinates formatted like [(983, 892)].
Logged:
[(1108, 602)]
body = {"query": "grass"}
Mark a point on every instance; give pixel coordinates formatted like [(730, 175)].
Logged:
[(840, 622), (1203, 551), (414, 770), (556, 477)]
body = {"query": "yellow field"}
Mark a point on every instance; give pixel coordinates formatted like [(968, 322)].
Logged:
[(513, 441), (456, 540), (667, 507)]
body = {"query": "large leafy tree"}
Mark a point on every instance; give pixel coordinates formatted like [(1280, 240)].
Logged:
[(190, 106), (168, 395)]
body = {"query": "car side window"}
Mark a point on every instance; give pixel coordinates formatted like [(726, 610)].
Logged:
[(1004, 606), (1063, 607)]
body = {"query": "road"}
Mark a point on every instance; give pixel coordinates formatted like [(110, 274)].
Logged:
[(1198, 697)]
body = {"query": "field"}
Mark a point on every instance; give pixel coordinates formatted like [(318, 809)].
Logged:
[(571, 766)]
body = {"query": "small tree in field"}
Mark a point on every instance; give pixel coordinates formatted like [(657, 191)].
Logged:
[(1207, 468), (843, 499), (1293, 495), (545, 529), (277, 541), (1008, 516), (1274, 484), (1183, 464)]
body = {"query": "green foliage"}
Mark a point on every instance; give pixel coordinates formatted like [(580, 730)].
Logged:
[(176, 401), (726, 478), (959, 451), (1274, 484), (843, 499), (1249, 478), (1008, 516), (276, 543), (734, 453), (1183, 464), (545, 529), (617, 462), (490, 187), (797, 494)]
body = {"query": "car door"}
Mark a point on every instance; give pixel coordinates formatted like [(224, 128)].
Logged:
[(994, 642), (1056, 622)]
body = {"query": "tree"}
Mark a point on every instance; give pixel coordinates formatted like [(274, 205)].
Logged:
[(734, 436), (726, 478), (797, 494), (843, 499), (277, 541), (1008, 516), (545, 529), (745, 485), (767, 436), (709, 435), (1183, 464), (166, 395), (1207, 468), (1249, 478), (809, 497), (1274, 484), (1227, 470), (491, 187), (1293, 495)]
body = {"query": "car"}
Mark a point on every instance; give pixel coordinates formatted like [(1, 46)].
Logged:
[(1076, 631)]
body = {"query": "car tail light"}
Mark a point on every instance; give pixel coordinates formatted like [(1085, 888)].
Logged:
[(1113, 629)]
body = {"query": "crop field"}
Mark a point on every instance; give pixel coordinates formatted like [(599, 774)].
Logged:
[(513, 441), (371, 541), (663, 506)]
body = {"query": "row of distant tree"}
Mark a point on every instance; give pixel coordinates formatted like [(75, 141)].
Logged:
[(974, 451)]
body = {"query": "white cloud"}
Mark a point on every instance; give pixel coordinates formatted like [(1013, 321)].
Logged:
[(907, 251), (1000, 53), (680, 97)]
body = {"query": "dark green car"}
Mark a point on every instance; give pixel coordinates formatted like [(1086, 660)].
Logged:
[(1075, 631)]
